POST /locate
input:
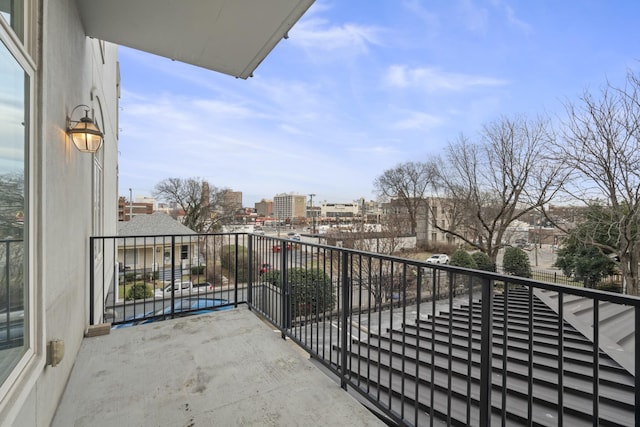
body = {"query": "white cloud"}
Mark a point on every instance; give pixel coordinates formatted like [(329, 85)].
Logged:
[(416, 120), (515, 21), (476, 18), (318, 34), (221, 108), (433, 80), (510, 15), (377, 149), (291, 129), (416, 8)]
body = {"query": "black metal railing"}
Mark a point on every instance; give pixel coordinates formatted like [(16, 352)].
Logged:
[(138, 279), (12, 292), (612, 283), (421, 343)]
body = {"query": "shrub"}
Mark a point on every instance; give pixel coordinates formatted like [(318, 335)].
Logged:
[(197, 269), (584, 263), (272, 277), (439, 247), (483, 261), (139, 291), (228, 261), (516, 262), (311, 291), (461, 258), (610, 286)]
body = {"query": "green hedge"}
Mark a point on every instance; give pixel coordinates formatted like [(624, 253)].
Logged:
[(139, 291)]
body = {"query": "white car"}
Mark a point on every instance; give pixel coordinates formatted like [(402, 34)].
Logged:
[(438, 259), (179, 289)]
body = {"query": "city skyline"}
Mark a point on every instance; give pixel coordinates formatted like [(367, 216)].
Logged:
[(357, 89)]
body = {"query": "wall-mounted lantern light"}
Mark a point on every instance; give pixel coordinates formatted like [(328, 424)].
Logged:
[(84, 133)]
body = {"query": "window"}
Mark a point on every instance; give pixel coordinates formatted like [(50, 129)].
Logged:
[(130, 258), (13, 13), (15, 309)]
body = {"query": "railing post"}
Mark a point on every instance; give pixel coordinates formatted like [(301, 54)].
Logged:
[(173, 275), (486, 344), (285, 299), (7, 291), (249, 295), (91, 282), (346, 288), (637, 363), (235, 288)]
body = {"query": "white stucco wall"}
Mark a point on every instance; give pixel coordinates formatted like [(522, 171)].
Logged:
[(70, 72)]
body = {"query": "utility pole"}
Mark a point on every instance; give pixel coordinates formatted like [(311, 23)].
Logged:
[(313, 218), (130, 204)]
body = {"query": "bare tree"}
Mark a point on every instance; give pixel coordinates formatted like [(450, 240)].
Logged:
[(408, 183), (205, 206), (498, 180), (602, 144), (381, 277), (12, 247), (387, 241), (11, 206)]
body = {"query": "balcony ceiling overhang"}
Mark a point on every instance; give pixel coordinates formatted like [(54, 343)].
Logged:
[(228, 36)]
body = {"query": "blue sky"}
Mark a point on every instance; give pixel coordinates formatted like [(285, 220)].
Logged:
[(361, 86)]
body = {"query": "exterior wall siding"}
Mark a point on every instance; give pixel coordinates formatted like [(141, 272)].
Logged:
[(72, 69)]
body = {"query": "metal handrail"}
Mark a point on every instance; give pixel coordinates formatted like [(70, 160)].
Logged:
[(353, 312)]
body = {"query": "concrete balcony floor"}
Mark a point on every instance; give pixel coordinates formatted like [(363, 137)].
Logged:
[(225, 368)]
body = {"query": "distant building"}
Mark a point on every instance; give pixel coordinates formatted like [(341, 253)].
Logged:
[(339, 210), (146, 199), (232, 200), (127, 210), (264, 208), (135, 253), (289, 206), (171, 209), (369, 210)]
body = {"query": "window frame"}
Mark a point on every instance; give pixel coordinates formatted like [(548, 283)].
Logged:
[(33, 354)]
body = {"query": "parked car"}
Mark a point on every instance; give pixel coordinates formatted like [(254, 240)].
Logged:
[(293, 236), (278, 248), (183, 289), (178, 289), (264, 268), (203, 287), (438, 259)]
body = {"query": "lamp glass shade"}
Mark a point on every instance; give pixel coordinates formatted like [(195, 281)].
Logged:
[(86, 136)]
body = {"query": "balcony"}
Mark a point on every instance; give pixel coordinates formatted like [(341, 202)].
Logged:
[(413, 343)]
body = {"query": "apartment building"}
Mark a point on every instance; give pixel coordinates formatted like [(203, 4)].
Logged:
[(289, 206), (264, 208), (232, 200), (127, 209), (339, 210)]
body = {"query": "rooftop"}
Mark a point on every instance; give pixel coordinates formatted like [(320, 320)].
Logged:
[(149, 225)]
